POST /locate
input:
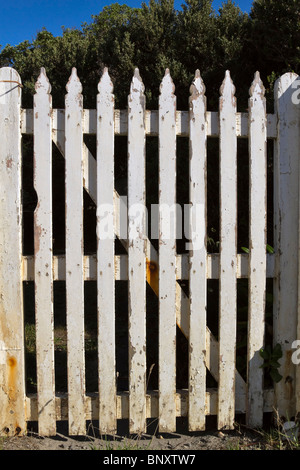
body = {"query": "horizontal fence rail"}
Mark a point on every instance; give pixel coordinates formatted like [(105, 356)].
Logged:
[(180, 281), (89, 120)]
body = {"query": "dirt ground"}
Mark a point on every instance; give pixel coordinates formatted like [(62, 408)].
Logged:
[(238, 439)]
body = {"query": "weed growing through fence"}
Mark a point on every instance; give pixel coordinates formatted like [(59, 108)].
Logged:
[(277, 438), (271, 361), (30, 338), (274, 437)]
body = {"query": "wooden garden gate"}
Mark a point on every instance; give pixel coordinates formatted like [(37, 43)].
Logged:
[(162, 268)]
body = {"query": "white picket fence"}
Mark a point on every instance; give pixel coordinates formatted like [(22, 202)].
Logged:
[(162, 269)]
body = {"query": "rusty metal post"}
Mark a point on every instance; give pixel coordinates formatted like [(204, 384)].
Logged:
[(12, 383)]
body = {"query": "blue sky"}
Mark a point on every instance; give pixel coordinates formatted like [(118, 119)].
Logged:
[(22, 19)]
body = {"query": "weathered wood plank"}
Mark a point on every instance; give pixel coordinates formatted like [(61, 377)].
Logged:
[(74, 255), (137, 255), (121, 267), (167, 255), (182, 305), (92, 405), (197, 257), (257, 242), (151, 123), (182, 302), (228, 249), (12, 389), (284, 168), (105, 256), (286, 215), (43, 256)]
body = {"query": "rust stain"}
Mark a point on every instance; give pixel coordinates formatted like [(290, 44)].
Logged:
[(12, 375), (152, 275), (9, 162), (37, 236)]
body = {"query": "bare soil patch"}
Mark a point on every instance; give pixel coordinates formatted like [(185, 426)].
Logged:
[(239, 439)]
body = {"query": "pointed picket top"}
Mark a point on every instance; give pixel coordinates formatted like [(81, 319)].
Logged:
[(167, 87), (197, 92), (137, 82), (227, 90), (257, 89), (74, 85), (197, 87), (42, 84), (105, 85), (137, 87)]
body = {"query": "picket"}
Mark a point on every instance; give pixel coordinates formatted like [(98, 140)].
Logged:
[(286, 212), (167, 254), (12, 380), (124, 217), (197, 258), (105, 257), (257, 255), (228, 250), (43, 256), (137, 255), (74, 255)]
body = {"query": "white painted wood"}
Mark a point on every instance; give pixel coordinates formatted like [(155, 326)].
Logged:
[(181, 126), (231, 266), (92, 402), (182, 301), (12, 389), (105, 256), (151, 123), (286, 215), (121, 267), (167, 255), (228, 248), (74, 255), (257, 242), (137, 255), (89, 179), (58, 129), (43, 256), (197, 257)]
